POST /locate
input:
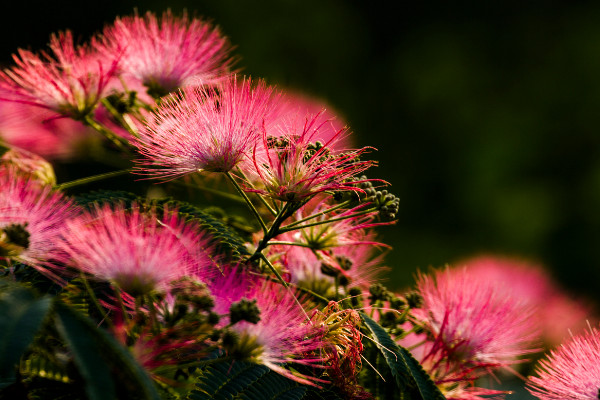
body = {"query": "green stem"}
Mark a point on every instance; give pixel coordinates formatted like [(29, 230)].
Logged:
[(318, 214), (225, 195), (289, 228), (260, 197), (95, 301), (271, 232), (297, 287), (285, 284), (254, 210), (153, 315), (118, 116), (272, 268), (92, 178), (120, 301), (284, 243), (110, 135)]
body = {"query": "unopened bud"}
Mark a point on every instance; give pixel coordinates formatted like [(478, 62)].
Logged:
[(244, 310)]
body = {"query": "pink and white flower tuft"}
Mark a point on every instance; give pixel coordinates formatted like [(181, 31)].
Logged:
[(294, 103), (572, 372), (558, 313), (71, 82), (32, 216), (138, 251), (168, 52), (282, 335), (204, 129), (294, 165), (475, 326)]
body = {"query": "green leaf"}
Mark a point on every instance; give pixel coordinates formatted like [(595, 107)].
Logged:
[(407, 371), (425, 385), (101, 197), (230, 380), (21, 315), (100, 357), (273, 386), (225, 380)]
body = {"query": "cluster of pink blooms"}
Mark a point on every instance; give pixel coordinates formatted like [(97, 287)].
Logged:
[(163, 89)]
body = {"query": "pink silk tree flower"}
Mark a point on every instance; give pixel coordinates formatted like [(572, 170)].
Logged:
[(283, 334), (40, 131), (571, 372), (475, 327), (559, 313), (354, 265), (293, 165), (294, 103), (168, 52), (204, 129), (138, 251), (346, 250), (70, 82), (32, 216)]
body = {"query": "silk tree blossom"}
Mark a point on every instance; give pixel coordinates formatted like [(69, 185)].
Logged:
[(32, 216), (203, 129), (137, 251), (282, 335), (294, 104), (342, 347), (354, 265), (69, 82), (39, 131), (168, 52), (294, 165), (324, 230), (475, 327), (571, 372), (558, 313)]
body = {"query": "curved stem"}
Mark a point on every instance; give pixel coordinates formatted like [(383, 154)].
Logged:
[(252, 208), (284, 243), (261, 198), (119, 117), (225, 195), (318, 214), (110, 135), (92, 178), (285, 284), (95, 301), (289, 228)]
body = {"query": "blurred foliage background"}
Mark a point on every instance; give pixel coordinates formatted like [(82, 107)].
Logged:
[(485, 115)]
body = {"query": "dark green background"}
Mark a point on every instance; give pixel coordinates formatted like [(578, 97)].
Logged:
[(485, 115)]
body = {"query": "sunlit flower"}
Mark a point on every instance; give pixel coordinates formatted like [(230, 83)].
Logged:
[(168, 52), (204, 129), (39, 131), (293, 165), (282, 335), (475, 327), (138, 251), (295, 104), (354, 265), (571, 372), (70, 82), (32, 216), (558, 313), (342, 347)]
